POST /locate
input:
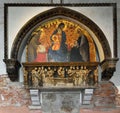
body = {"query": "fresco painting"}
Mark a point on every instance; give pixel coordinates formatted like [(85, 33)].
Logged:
[(61, 40)]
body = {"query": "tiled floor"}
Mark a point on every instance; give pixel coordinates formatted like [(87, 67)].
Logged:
[(100, 111), (23, 109)]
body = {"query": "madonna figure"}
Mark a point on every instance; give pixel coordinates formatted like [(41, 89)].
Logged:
[(58, 49)]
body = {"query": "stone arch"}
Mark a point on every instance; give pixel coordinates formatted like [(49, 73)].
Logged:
[(21, 38)]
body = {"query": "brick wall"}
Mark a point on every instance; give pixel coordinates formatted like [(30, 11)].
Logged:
[(105, 95), (14, 98)]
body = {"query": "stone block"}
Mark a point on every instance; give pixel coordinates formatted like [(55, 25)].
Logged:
[(60, 102)]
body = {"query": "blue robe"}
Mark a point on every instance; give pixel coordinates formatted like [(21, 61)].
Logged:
[(61, 54)]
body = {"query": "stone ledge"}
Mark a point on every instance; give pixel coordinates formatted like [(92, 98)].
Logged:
[(63, 89), (34, 107)]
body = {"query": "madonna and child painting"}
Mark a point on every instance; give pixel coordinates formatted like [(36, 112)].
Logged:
[(60, 40)]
